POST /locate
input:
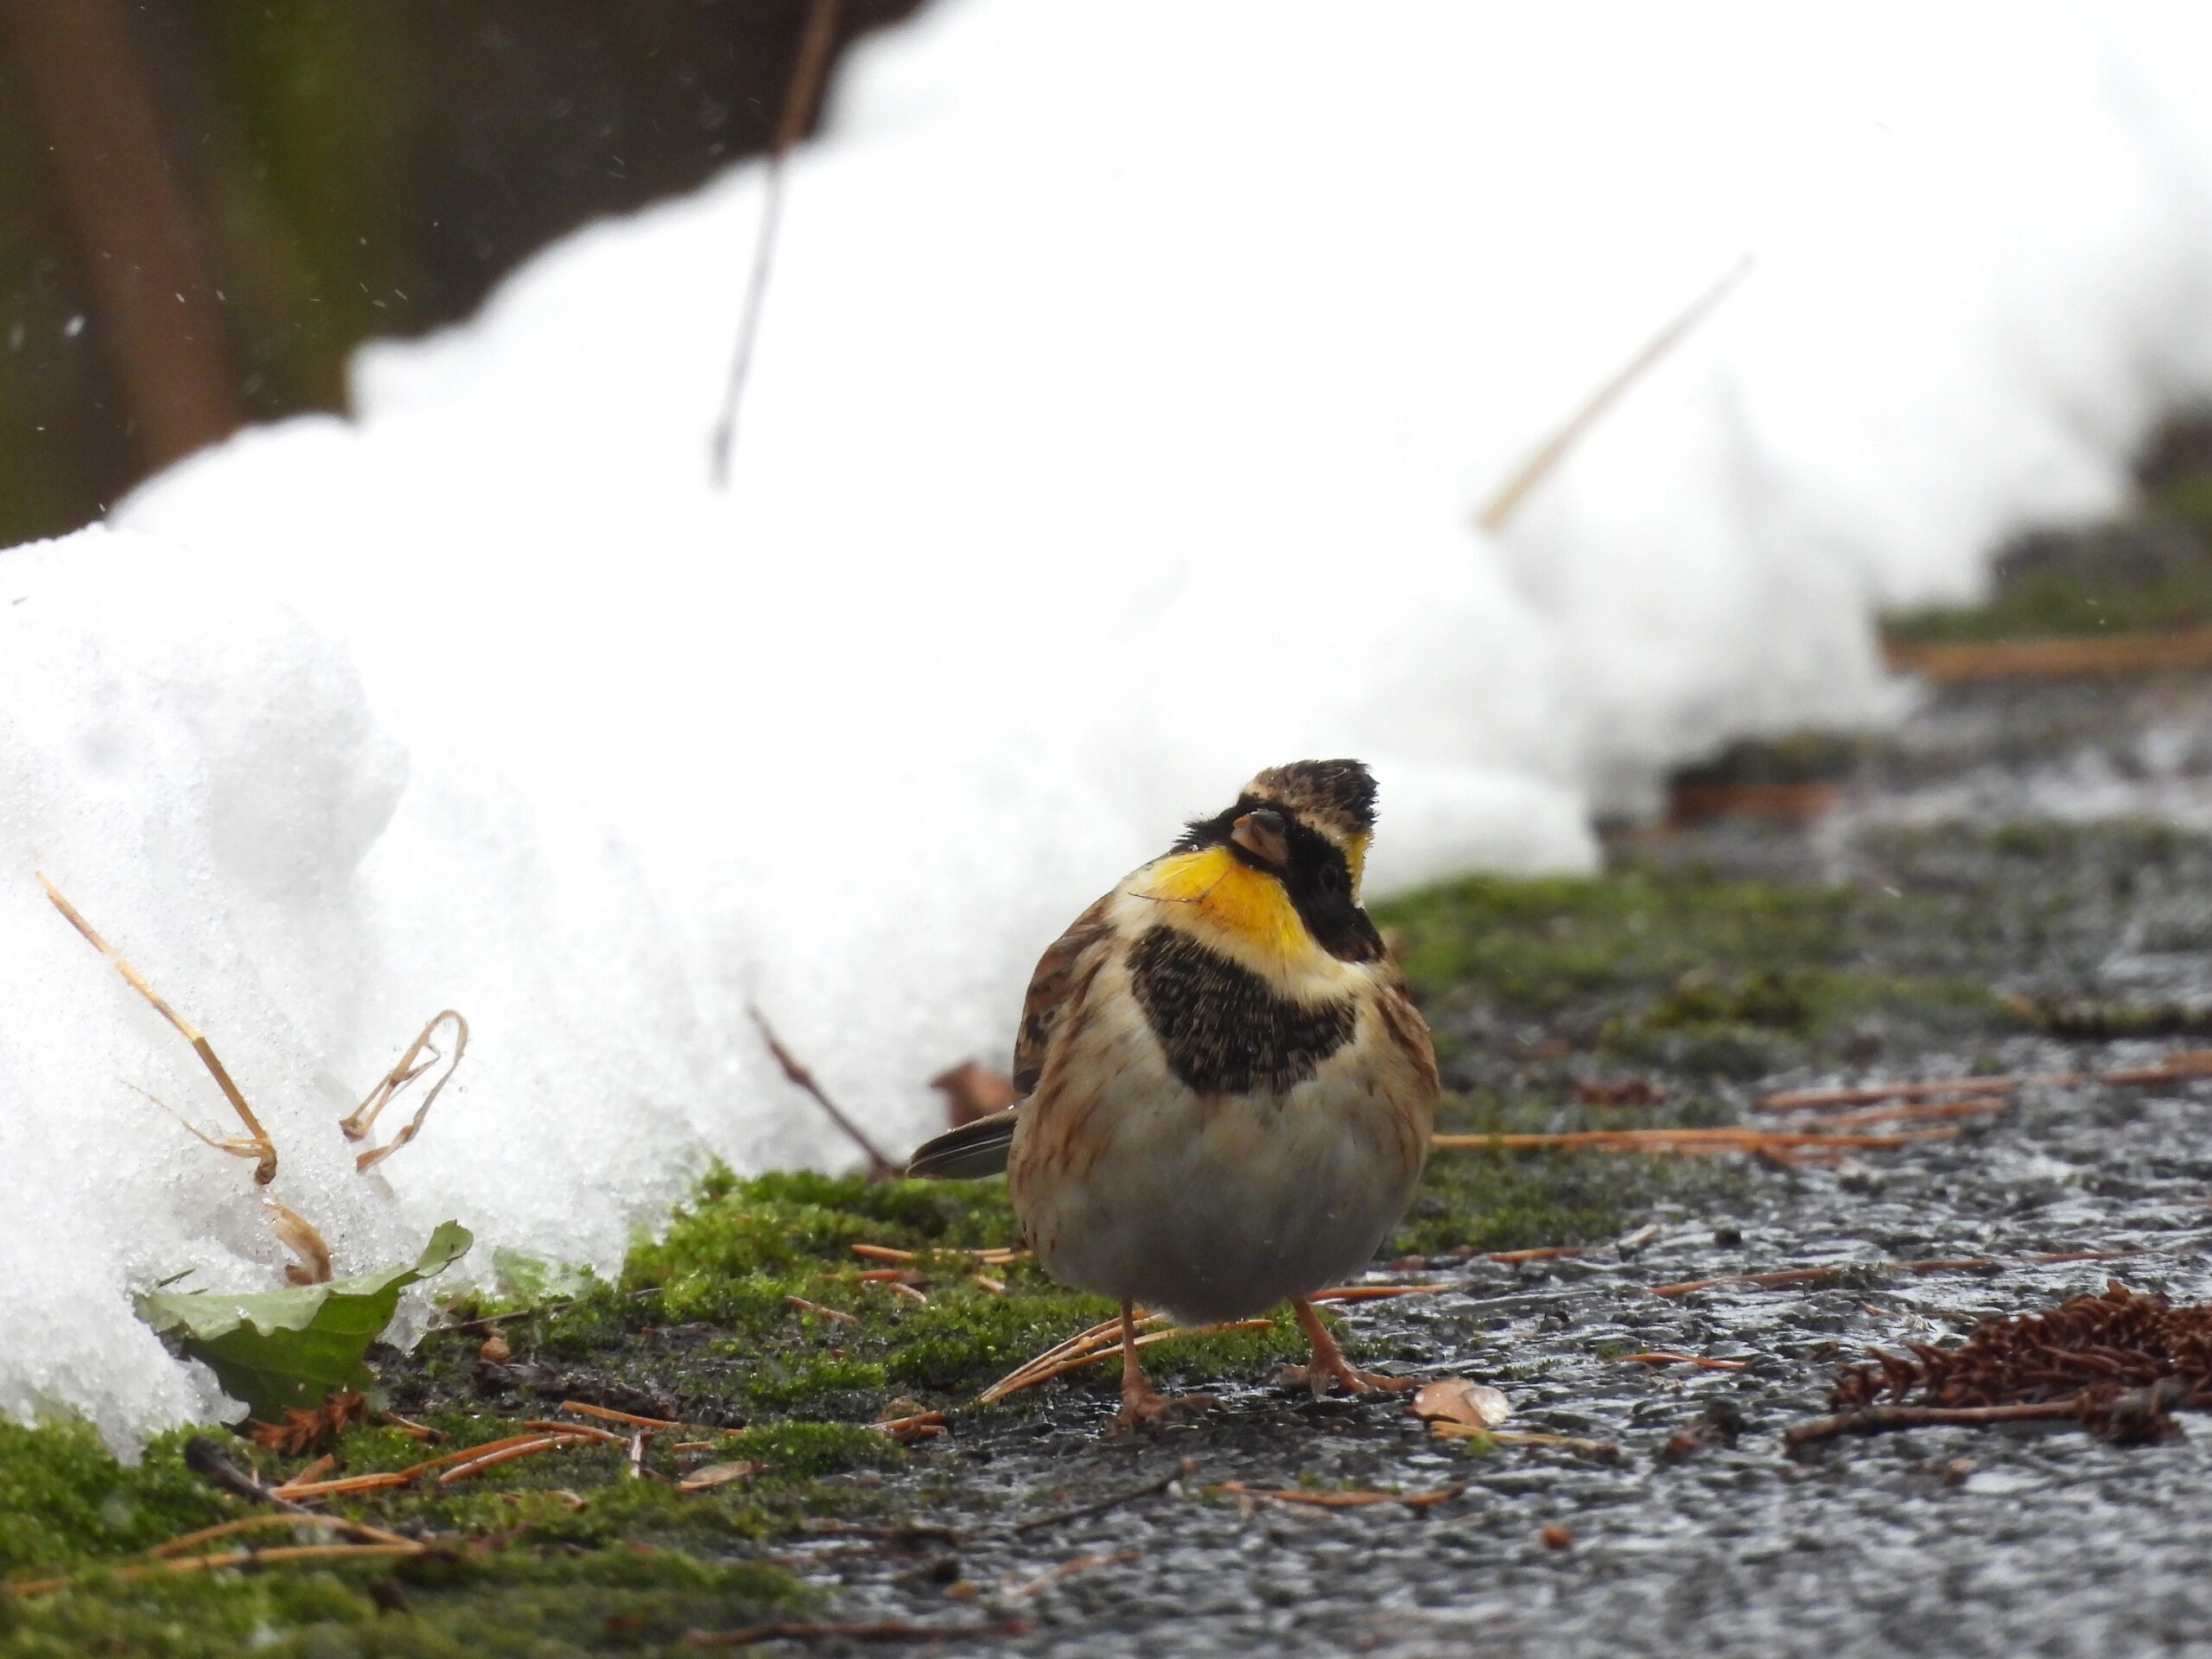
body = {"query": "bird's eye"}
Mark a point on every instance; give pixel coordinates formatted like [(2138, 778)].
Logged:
[(1332, 880)]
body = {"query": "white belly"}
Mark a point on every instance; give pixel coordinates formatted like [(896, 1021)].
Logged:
[(1220, 1208)]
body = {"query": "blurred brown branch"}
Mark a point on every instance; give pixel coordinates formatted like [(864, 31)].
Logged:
[(153, 300)]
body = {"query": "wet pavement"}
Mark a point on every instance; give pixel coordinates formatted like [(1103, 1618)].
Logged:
[(2025, 1539)]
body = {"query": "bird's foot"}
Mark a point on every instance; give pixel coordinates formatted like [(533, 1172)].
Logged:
[(1329, 1364), (1322, 1375), (1145, 1404)]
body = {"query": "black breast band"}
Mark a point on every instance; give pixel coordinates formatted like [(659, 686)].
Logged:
[(1223, 1028)]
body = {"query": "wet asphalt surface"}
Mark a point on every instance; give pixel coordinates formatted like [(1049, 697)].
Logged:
[(2008, 1541)]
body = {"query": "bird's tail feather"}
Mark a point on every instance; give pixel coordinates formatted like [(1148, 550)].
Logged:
[(969, 1153)]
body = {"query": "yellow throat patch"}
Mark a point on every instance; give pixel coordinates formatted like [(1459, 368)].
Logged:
[(1228, 896)]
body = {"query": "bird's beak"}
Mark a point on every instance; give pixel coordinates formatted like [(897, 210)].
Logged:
[(1264, 835)]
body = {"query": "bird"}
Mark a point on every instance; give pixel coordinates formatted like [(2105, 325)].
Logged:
[(1224, 1091)]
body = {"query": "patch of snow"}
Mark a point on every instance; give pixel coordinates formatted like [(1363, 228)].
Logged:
[(1131, 377)]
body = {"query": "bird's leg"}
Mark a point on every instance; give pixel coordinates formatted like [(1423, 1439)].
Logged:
[(1328, 1362), (1141, 1401)]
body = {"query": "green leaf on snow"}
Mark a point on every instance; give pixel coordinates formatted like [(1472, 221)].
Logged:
[(278, 1348)]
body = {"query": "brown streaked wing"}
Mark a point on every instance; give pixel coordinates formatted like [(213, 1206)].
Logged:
[(1402, 1020), (1060, 970)]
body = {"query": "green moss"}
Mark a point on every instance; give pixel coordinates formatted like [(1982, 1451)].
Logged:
[(814, 1449), (64, 1499), (754, 1232), (508, 1602), (1549, 944), (1480, 1201), (787, 1384), (2150, 570), (1683, 970)]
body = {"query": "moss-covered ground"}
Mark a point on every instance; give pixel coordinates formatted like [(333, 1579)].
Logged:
[(2149, 569), (748, 1318)]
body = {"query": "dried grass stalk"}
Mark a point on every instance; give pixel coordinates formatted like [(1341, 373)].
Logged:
[(420, 1058), (255, 1143), (1548, 454)]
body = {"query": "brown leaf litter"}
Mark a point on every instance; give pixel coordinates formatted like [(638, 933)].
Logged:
[(2120, 1363), (308, 1431)]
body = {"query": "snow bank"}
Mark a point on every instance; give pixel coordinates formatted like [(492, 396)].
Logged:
[(1131, 375)]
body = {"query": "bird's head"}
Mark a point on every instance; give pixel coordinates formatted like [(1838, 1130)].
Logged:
[(1297, 833)]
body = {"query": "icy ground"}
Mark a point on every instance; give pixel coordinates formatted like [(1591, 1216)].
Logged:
[(1131, 376)]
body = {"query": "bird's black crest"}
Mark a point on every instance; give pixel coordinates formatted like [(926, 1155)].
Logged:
[(1334, 796)]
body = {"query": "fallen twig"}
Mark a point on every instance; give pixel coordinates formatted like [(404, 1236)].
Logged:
[(2052, 656), (880, 1168), (262, 1523), (1102, 1339), (1617, 1091), (1692, 801), (2179, 1066), (1017, 1590), (1662, 1357), (206, 1460), (1905, 1111), (480, 1454), (530, 1446), (1017, 1381), (1100, 1506), (1877, 1419), (1728, 1139), (837, 1313), (240, 1558), (582, 1408), (1941, 1264), (1341, 1500), (914, 1426), (1372, 1292), (547, 1425), (315, 1470), (256, 1143), (2121, 1363), (490, 1320), (1448, 1430), (808, 69), (989, 1255), (1082, 1340)]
